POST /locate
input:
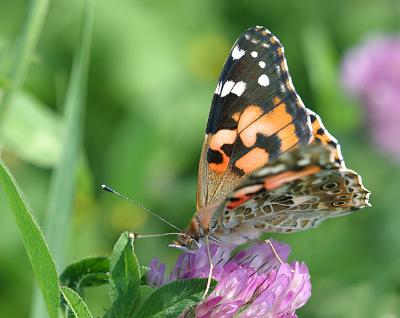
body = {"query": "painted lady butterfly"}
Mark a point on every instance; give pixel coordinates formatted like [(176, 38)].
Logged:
[(267, 164)]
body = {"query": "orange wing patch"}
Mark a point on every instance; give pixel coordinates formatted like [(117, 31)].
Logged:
[(267, 125), (254, 159), (249, 116), (288, 137), (236, 116), (217, 141), (251, 123)]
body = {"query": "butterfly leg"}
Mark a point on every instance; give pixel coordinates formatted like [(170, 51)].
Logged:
[(274, 251), (211, 267)]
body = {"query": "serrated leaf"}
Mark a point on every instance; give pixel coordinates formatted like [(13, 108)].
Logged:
[(124, 278), (35, 245), (75, 303), (172, 299), (84, 273)]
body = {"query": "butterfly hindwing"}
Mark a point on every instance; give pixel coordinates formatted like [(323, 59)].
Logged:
[(296, 192), (256, 115)]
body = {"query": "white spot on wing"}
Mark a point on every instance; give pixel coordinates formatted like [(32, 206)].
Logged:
[(239, 88), (237, 52), (254, 54), (262, 64), (263, 80), (285, 67), (227, 88), (275, 38), (218, 88), (290, 82)]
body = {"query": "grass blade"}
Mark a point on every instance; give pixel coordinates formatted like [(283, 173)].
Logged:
[(39, 255), (75, 303), (57, 222), (24, 50), (63, 181)]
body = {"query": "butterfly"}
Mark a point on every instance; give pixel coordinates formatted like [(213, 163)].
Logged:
[(267, 164)]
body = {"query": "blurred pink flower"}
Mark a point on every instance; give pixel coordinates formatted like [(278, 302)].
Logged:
[(251, 283), (371, 72)]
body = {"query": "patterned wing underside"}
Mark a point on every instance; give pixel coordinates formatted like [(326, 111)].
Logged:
[(297, 192), (256, 115)]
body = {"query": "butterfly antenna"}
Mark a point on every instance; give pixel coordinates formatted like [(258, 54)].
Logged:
[(154, 235), (111, 190)]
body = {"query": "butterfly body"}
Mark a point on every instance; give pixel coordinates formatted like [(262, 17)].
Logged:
[(267, 164)]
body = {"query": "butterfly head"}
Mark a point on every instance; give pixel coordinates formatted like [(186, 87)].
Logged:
[(186, 242)]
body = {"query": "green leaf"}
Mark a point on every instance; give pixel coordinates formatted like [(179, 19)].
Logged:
[(61, 197), (124, 266), (85, 273), (172, 299), (144, 293), (124, 278), (75, 303), (39, 255), (31, 130)]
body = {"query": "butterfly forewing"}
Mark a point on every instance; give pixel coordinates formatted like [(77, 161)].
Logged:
[(256, 115)]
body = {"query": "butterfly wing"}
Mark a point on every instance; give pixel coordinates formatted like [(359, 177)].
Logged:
[(256, 115), (298, 191), (320, 135)]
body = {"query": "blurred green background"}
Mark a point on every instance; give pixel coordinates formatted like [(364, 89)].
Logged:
[(152, 71)]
